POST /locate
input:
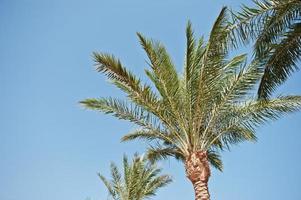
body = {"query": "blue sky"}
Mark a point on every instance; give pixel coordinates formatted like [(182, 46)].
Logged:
[(51, 148)]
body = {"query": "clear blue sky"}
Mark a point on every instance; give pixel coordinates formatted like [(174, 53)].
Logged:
[(51, 149)]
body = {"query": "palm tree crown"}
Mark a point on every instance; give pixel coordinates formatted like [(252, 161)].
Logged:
[(207, 108), (194, 115), (275, 26), (140, 180)]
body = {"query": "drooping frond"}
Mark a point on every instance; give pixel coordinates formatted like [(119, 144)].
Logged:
[(282, 63), (274, 26), (266, 19), (159, 153), (240, 121), (150, 135), (233, 134), (215, 160), (261, 111)]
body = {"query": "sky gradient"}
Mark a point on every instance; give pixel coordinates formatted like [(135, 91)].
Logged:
[(51, 148)]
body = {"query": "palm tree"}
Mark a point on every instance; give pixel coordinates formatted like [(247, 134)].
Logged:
[(275, 26), (194, 115), (140, 180)]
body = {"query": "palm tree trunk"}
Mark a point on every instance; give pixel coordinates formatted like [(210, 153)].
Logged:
[(198, 172)]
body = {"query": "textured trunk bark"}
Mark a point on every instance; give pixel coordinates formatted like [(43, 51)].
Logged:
[(198, 172)]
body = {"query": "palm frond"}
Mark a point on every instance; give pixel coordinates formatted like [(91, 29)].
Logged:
[(116, 182), (149, 135), (240, 121), (282, 63), (212, 65), (215, 160), (215, 51), (123, 110), (165, 79), (276, 25), (240, 82), (235, 134), (163, 68), (108, 185), (265, 15), (193, 80), (190, 53), (273, 25), (160, 153), (155, 184), (236, 86), (126, 81), (255, 113)]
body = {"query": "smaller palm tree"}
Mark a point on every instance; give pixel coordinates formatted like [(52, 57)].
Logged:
[(140, 180)]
